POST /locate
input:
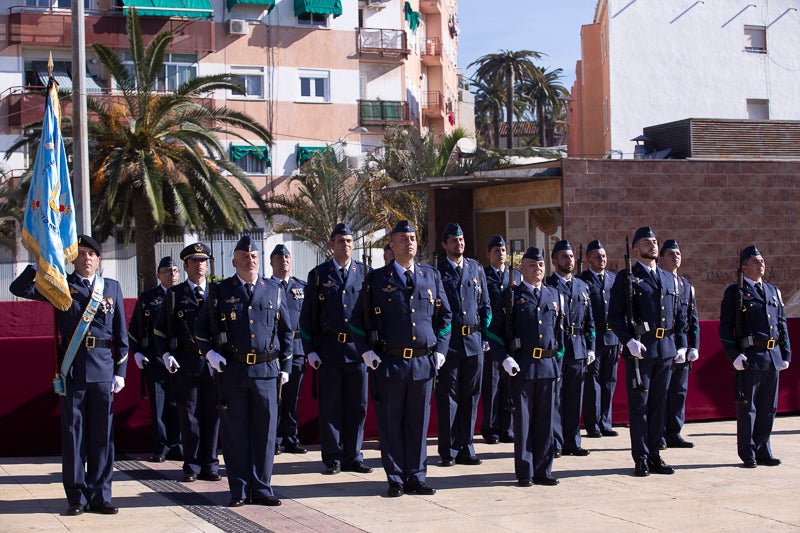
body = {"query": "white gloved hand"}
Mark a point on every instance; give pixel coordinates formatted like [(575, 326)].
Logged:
[(486, 346), (692, 355), (510, 366), (371, 359), (314, 360), (216, 360), (439, 359), (590, 357), (784, 365), (636, 348), (681, 357), (170, 362), (739, 362), (141, 360), (118, 384), (284, 378)]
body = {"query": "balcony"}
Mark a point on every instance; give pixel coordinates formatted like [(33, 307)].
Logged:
[(382, 112), (53, 28), (432, 104), (382, 45), (432, 52), (430, 6)]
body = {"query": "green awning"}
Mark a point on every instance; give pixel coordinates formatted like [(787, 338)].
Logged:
[(411, 16), (193, 9), (268, 3), (318, 7), (304, 153), (240, 151)]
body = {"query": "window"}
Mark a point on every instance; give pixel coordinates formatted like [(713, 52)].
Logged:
[(755, 39), (178, 69), (312, 19), (757, 109), (314, 85), (253, 80), (60, 4), (252, 164)]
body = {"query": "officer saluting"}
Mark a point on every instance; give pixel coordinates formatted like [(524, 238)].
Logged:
[(96, 374), (757, 343), (402, 329), (246, 319)]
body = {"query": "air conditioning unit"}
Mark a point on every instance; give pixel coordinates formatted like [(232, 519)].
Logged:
[(237, 27), (377, 4)]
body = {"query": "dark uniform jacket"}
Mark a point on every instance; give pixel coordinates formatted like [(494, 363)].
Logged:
[(295, 298), (496, 284), (141, 329), (578, 321), (468, 297), (763, 318), (599, 297), (100, 363), (184, 321), (690, 333), (536, 325)]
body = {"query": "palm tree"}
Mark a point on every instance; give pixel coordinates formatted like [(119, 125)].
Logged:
[(505, 67), (546, 96), (156, 160), (489, 101)]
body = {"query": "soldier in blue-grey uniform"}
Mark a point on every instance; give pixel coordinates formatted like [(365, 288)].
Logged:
[(294, 292), (95, 376), (459, 385), (402, 330), (689, 333), (496, 425), (534, 347), (331, 294), (176, 341), (760, 351), (648, 337), (165, 424), (601, 376), (247, 320), (578, 351)]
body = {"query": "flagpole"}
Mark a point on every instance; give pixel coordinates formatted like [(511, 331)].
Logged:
[(80, 132)]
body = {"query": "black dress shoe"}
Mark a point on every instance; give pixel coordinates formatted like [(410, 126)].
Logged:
[(235, 502), (662, 444), (491, 439), (545, 480), (609, 432), (749, 463), (577, 452), (678, 442), (658, 466), (357, 466), (395, 490), (641, 469), (525, 482), (157, 458), (189, 477), (447, 461), (471, 460), (269, 501), (420, 488), (769, 461), (557, 454), (506, 438), (594, 434), (295, 448), (333, 469), (104, 508), (278, 449), (75, 510), (209, 476)]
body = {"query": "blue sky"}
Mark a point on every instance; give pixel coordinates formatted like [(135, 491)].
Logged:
[(551, 27)]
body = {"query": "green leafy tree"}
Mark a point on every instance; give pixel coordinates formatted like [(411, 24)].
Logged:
[(545, 95)]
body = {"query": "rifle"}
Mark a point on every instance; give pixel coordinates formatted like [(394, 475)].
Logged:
[(514, 343), (636, 329), (579, 264), (173, 344), (742, 341), (218, 338), (144, 337)]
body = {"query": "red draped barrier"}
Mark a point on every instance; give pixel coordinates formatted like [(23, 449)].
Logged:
[(29, 409)]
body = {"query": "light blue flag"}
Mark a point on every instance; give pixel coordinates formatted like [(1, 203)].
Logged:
[(48, 229)]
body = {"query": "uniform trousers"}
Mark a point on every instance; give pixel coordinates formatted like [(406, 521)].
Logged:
[(598, 389), (342, 412), (458, 390), (567, 411), (676, 401), (197, 408), (754, 419), (533, 426), (647, 408), (494, 389), (290, 396)]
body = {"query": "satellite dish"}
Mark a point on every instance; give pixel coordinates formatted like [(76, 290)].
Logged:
[(466, 145)]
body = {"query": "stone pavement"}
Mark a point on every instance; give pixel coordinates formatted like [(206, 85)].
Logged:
[(709, 492)]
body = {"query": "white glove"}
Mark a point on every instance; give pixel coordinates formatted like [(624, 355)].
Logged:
[(590, 357), (439, 359), (739, 362), (681, 357), (170, 362), (692, 355), (314, 360), (371, 359), (636, 348), (216, 360), (118, 384), (486, 347), (141, 360), (510, 366), (784, 365), (284, 378)]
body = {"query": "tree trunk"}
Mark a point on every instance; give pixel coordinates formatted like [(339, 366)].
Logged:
[(145, 240), (542, 120), (510, 107), (496, 128)]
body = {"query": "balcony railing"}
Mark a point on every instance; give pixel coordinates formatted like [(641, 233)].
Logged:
[(432, 52), (382, 43), (432, 103), (382, 112)]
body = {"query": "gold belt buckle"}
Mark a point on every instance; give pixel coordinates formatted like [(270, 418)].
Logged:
[(660, 333), (90, 342), (342, 338), (250, 358), (465, 331), (537, 353), (408, 353), (770, 344)]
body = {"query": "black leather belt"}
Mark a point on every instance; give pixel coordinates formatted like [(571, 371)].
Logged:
[(93, 342), (538, 353), (341, 338), (660, 333), (252, 358), (645, 328), (573, 331), (764, 344), (295, 334), (407, 353), (466, 331)]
